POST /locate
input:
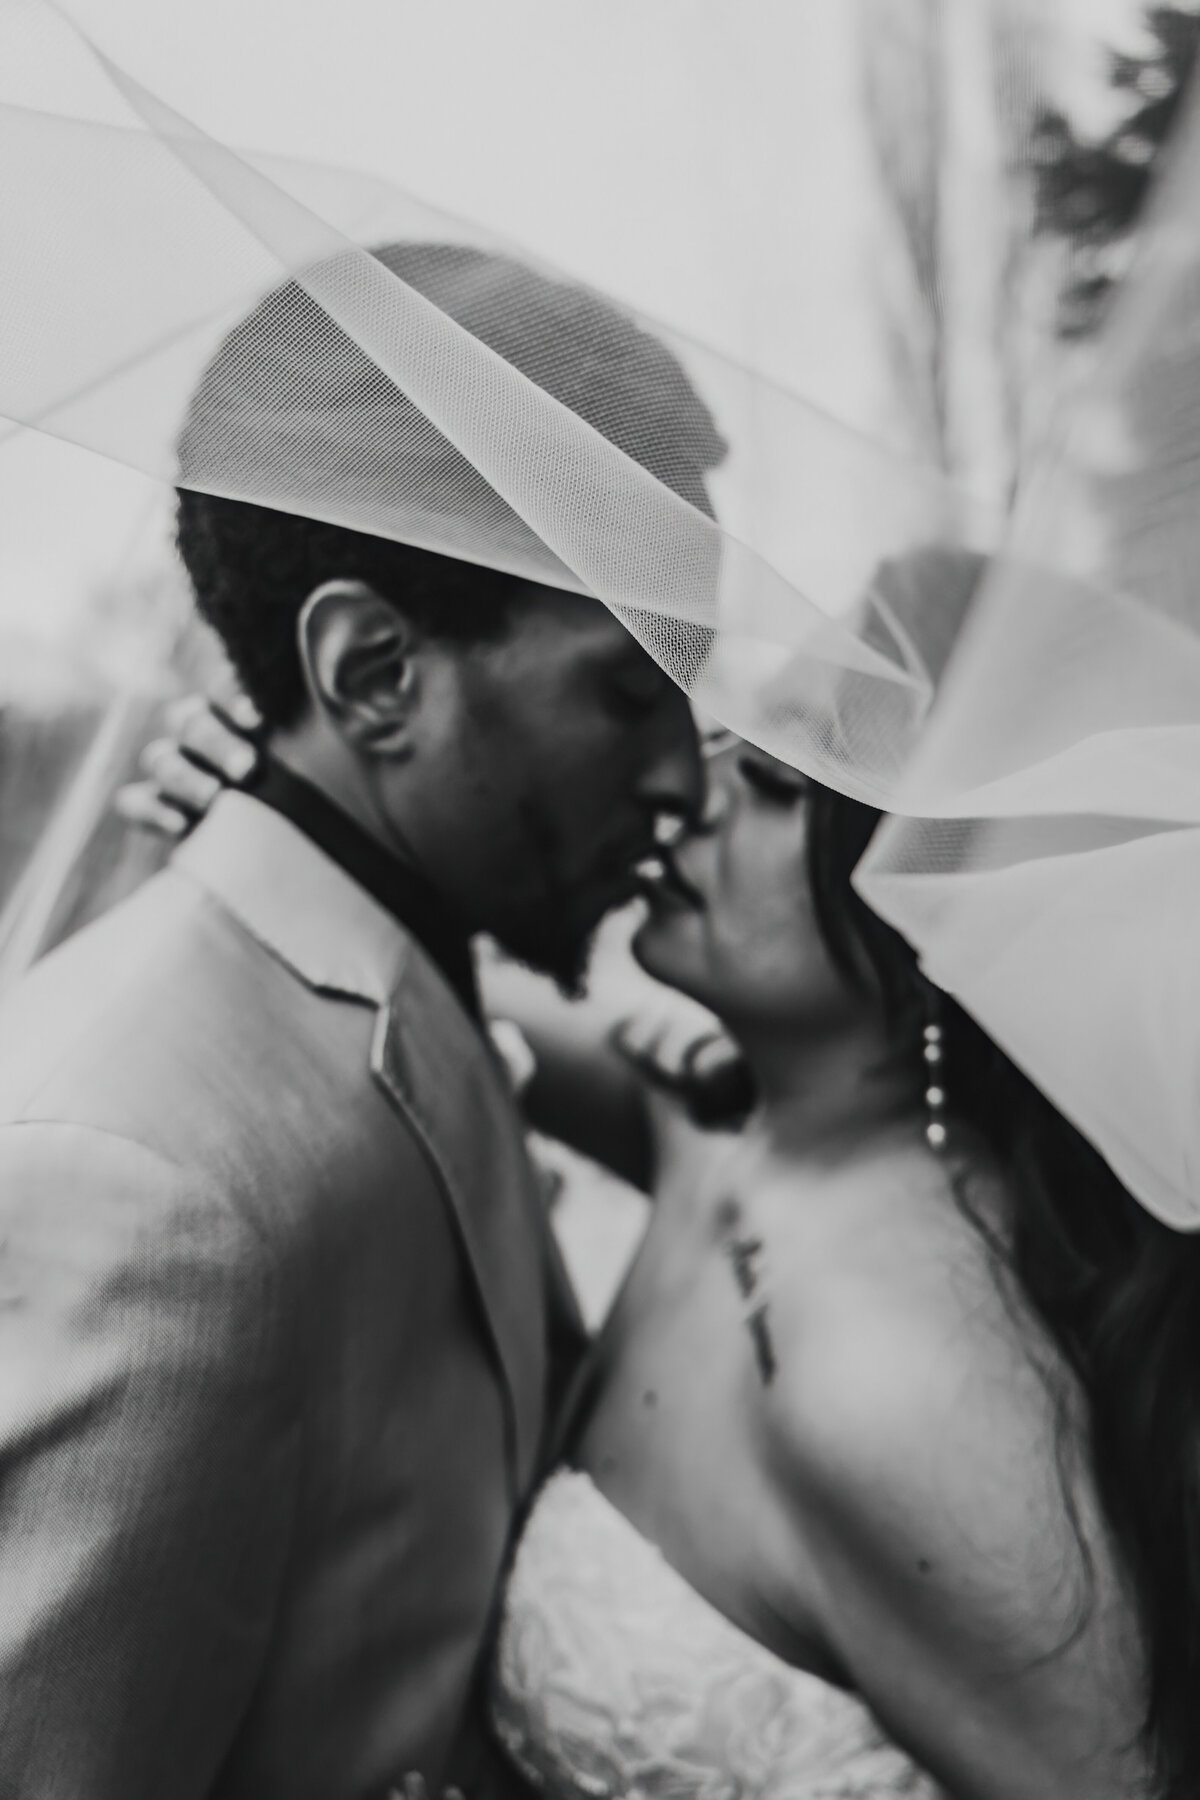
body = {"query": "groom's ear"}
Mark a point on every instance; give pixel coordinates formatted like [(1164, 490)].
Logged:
[(360, 659)]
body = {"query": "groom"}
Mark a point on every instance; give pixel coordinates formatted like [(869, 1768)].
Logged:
[(279, 1324)]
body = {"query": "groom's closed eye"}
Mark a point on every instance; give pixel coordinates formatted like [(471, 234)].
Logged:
[(635, 687)]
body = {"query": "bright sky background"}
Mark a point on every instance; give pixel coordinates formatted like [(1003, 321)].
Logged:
[(697, 157)]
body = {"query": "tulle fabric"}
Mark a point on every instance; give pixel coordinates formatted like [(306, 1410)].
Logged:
[(1050, 873), (504, 417), (776, 563)]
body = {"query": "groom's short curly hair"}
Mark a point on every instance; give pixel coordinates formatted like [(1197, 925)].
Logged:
[(277, 413), (252, 568)]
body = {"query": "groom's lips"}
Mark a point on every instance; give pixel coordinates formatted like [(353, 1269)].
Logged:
[(612, 884), (639, 867), (661, 881)]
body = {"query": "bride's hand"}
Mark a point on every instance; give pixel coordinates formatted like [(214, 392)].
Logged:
[(207, 745), (699, 1066)]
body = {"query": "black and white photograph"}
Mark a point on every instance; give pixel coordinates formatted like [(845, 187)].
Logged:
[(599, 923)]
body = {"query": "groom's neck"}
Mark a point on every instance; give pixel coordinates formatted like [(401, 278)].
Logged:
[(326, 793), (326, 763)]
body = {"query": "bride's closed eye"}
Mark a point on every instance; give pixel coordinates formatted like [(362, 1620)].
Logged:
[(772, 781)]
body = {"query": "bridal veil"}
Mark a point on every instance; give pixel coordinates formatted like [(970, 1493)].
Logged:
[(316, 341)]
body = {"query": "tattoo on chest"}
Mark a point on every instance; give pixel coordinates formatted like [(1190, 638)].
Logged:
[(764, 1349), (744, 1257)]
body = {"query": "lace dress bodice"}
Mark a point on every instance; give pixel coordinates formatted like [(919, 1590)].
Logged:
[(616, 1680)]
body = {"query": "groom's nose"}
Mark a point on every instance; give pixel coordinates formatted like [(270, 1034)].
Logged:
[(671, 782)]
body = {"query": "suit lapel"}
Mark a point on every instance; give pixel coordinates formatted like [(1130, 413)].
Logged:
[(432, 1063), (428, 1057)]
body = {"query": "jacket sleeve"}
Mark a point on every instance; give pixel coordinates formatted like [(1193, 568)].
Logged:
[(148, 1447)]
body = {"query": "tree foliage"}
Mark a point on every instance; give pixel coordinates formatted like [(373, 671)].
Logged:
[(1090, 191)]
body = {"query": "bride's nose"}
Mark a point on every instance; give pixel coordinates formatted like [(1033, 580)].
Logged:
[(716, 799)]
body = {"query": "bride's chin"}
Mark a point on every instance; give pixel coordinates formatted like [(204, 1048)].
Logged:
[(661, 946)]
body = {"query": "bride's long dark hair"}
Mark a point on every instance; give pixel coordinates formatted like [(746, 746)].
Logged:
[(1118, 1292)]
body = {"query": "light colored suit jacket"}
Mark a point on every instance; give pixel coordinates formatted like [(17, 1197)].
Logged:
[(273, 1326)]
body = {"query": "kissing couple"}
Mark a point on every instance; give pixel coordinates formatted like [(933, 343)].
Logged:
[(313, 1488)]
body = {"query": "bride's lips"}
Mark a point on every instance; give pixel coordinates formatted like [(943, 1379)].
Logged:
[(662, 883)]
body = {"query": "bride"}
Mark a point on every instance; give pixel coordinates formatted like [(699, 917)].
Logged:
[(857, 1499), (837, 1463)]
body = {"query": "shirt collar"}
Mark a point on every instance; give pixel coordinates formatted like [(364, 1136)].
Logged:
[(398, 887), (295, 899)]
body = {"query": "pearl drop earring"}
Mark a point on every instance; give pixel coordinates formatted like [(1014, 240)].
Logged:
[(935, 1093)]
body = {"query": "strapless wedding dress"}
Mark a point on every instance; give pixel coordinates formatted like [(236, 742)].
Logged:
[(615, 1680)]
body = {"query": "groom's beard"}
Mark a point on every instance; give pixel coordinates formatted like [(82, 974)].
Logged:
[(566, 965), (554, 933), (542, 940)]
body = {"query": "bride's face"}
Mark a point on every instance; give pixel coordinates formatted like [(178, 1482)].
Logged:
[(731, 921)]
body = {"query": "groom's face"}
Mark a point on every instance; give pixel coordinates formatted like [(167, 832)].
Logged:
[(561, 747)]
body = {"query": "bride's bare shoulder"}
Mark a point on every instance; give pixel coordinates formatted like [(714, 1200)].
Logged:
[(919, 1404), (930, 1450), (898, 1310)]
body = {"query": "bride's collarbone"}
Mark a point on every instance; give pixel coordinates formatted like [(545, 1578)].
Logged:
[(745, 1323), (685, 1369), (727, 1274)]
